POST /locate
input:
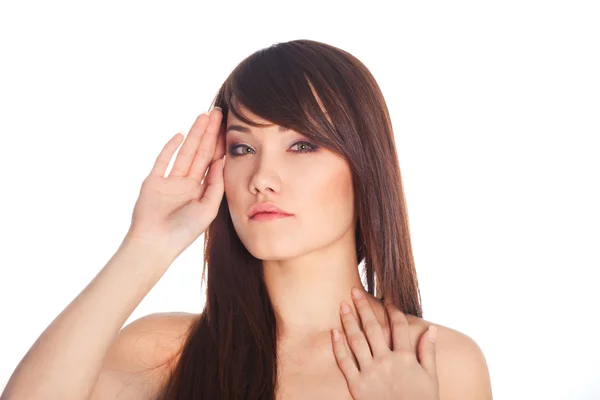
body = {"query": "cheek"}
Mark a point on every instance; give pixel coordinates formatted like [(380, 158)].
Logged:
[(226, 179), (232, 181), (232, 194), (331, 198)]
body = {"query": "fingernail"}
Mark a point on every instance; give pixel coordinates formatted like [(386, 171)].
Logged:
[(356, 293), (345, 308), (336, 335)]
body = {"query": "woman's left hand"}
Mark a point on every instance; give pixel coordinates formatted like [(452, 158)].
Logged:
[(385, 374)]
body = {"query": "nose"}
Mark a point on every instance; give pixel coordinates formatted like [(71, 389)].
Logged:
[(265, 176)]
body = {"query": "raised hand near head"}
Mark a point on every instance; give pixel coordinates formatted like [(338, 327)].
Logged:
[(173, 211)]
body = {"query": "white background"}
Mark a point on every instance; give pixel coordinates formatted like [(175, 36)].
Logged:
[(496, 114)]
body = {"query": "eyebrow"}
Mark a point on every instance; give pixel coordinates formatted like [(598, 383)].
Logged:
[(243, 129)]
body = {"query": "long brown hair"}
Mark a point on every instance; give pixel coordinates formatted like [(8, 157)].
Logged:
[(330, 97)]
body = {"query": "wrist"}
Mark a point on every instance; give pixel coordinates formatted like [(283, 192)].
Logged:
[(152, 254)]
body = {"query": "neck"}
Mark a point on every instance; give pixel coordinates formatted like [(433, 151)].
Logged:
[(306, 291)]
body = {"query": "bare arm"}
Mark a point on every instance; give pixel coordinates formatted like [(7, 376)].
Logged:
[(65, 361), (171, 212)]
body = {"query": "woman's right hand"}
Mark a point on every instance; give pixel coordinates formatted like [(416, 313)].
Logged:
[(172, 212)]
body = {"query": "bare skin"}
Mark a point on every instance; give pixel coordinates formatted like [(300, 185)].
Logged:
[(314, 252), (84, 353), (307, 368), (169, 215), (309, 259)]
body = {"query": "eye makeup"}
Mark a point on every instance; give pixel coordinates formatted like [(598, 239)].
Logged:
[(311, 148)]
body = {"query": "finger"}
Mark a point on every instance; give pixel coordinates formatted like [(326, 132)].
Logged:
[(220, 148), (164, 157), (187, 152), (219, 154), (427, 352), (206, 151), (208, 204), (400, 329), (214, 185), (370, 323), (356, 338), (343, 358)]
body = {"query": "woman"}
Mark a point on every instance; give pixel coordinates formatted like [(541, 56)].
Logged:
[(300, 128)]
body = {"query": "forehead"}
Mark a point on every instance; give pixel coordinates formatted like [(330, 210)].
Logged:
[(234, 124), (231, 118)]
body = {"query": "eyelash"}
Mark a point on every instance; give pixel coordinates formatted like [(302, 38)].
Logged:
[(235, 146)]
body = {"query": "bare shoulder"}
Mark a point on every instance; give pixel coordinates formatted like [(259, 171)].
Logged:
[(461, 365), (142, 354), (168, 326), (155, 337)]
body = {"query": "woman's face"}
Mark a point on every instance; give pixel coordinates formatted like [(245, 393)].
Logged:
[(265, 164)]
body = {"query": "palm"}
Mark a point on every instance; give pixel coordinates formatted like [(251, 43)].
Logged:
[(175, 210), (166, 197)]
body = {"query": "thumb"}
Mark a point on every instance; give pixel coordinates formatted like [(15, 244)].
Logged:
[(427, 351)]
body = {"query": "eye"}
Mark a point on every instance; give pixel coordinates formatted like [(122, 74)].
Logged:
[(307, 149), (301, 144)]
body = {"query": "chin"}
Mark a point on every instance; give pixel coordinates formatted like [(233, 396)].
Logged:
[(269, 252), (270, 255)]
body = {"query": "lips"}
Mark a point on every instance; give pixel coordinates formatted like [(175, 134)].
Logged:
[(267, 208), (269, 213), (267, 216)]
